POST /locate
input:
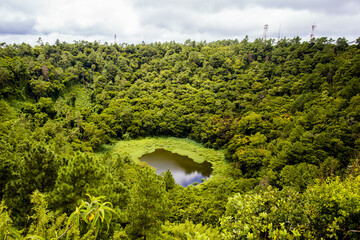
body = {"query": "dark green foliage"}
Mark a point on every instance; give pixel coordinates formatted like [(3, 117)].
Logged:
[(149, 204), (79, 174), (299, 176), (36, 169), (7, 166)]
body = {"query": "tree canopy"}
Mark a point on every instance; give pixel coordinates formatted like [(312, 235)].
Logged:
[(286, 114)]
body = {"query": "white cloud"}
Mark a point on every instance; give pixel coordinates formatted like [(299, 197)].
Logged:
[(163, 20), (87, 17)]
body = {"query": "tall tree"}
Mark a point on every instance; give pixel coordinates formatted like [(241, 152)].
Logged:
[(149, 205)]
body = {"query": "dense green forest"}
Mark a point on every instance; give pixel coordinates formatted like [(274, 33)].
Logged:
[(286, 114)]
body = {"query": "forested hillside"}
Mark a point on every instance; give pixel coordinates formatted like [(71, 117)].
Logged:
[(286, 114)]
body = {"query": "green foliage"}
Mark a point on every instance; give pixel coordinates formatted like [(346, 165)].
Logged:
[(187, 230), (7, 165), (13, 76), (138, 147), (45, 223), (7, 231), (325, 210), (117, 169), (79, 174), (40, 87), (299, 176), (332, 208), (41, 217), (284, 113), (93, 214), (36, 169), (267, 214), (169, 180), (248, 152), (86, 222), (6, 117), (149, 205)]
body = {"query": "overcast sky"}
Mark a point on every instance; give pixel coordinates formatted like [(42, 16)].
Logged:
[(167, 20)]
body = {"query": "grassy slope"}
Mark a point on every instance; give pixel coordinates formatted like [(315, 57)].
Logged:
[(186, 147)]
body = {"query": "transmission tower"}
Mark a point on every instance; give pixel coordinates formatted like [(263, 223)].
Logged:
[(312, 31), (266, 27)]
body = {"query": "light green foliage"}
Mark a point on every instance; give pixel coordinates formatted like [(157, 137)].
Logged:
[(82, 97), (325, 210), (86, 222), (7, 231), (40, 87), (45, 223), (94, 214), (46, 105), (188, 231), (169, 180), (186, 147), (41, 213), (206, 202), (333, 208), (268, 214)]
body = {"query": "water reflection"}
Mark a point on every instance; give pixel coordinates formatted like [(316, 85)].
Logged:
[(184, 170)]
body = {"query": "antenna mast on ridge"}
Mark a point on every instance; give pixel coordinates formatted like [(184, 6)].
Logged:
[(115, 38), (266, 27), (312, 31)]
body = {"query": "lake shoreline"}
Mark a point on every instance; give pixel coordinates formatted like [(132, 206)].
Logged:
[(136, 148), (184, 170), (183, 146)]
